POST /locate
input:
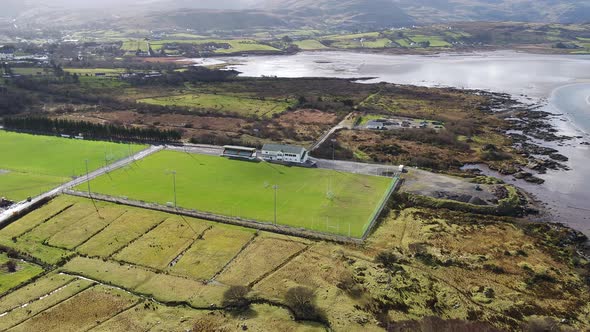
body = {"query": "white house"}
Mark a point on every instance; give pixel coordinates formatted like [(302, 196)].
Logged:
[(285, 153)]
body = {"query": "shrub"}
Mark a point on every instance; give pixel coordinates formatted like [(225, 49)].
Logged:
[(387, 258), (348, 283), (494, 268), (208, 324), (11, 266), (535, 324), (236, 297), (302, 301)]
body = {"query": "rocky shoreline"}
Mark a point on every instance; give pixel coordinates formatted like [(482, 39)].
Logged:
[(529, 128)]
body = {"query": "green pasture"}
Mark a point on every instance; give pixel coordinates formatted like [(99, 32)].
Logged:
[(32, 164), (24, 272), (435, 41), (94, 71), (310, 44), (317, 199), (32, 71), (236, 45)]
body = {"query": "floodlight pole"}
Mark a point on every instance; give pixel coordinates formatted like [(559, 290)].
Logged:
[(333, 151), (276, 188), (89, 194), (333, 160), (174, 183), (87, 178)]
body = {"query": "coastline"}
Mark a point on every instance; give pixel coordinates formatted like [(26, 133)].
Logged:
[(526, 78)]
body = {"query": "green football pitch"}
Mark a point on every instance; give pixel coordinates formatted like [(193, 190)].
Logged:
[(33, 164), (316, 199)]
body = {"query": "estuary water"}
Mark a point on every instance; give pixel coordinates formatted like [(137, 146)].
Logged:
[(561, 83)]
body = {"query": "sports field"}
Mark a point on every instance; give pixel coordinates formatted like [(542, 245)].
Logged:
[(316, 199), (33, 164)]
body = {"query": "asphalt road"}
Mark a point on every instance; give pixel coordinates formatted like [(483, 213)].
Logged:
[(344, 124), (21, 206)]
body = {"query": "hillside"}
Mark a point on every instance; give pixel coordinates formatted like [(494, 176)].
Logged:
[(242, 14), (435, 11)]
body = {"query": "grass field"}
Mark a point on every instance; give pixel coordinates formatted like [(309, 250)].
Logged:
[(120, 232), (159, 247), (236, 45), (435, 41), (251, 264), (83, 311), (31, 71), (32, 164), (24, 272), (33, 291), (21, 314), (209, 255), (94, 71), (102, 294), (317, 199), (223, 103), (310, 44)]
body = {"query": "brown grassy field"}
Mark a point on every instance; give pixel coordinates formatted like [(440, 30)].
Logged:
[(471, 271), (83, 311), (256, 260)]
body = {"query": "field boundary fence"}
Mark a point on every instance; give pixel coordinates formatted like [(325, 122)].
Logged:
[(377, 213), (237, 221)]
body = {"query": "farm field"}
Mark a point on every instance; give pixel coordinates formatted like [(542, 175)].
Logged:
[(236, 45), (30, 71), (24, 271), (435, 41), (210, 254), (316, 199), (158, 248), (83, 311), (310, 44), (89, 292), (107, 291), (31, 164), (223, 104), (94, 71)]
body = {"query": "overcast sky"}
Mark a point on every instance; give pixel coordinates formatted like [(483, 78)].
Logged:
[(225, 4)]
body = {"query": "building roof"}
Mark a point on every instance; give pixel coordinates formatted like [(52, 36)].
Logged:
[(374, 123), (241, 148), (284, 148)]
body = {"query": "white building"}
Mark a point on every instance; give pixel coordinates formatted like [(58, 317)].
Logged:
[(285, 153), (375, 125)]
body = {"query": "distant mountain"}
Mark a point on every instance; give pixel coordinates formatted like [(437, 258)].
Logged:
[(240, 14), (209, 19), (558, 11), (342, 13)]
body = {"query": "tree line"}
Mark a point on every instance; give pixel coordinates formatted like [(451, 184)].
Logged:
[(89, 129)]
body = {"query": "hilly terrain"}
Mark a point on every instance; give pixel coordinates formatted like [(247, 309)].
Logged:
[(242, 14)]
